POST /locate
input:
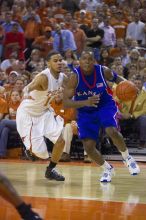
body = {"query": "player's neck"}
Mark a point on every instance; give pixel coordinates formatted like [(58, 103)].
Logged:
[(88, 72), (54, 73)]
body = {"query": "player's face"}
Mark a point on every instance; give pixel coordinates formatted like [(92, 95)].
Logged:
[(55, 63), (87, 63)]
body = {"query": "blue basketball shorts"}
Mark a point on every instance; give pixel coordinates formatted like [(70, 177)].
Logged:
[(89, 123)]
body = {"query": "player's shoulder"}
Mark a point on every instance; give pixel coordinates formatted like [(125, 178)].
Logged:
[(45, 71)]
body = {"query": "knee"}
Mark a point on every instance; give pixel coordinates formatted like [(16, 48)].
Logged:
[(61, 141), (88, 148), (112, 132)]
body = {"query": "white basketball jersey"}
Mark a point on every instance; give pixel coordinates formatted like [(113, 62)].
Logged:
[(38, 101)]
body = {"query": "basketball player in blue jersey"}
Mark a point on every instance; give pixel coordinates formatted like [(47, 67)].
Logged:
[(87, 90)]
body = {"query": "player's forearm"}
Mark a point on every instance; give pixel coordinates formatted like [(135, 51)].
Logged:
[(119, 79), (93, 39), (74, 104)]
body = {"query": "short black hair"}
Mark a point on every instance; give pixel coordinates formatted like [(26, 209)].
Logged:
[(52, 53)]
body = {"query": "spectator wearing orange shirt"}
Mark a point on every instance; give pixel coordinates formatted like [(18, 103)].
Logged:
[(79, 37), (32, 27), (83, 6), (82, 19), (68, 115), (11, 82), (120, 26), (44, 42), (3, 103), (10, 123), (42, 10)]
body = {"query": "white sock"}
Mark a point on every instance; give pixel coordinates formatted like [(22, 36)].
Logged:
[(125, 154), (106, 165)]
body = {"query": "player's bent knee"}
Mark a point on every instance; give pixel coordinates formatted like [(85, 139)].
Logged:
[(89, 148), (112, 132), (61, 141)]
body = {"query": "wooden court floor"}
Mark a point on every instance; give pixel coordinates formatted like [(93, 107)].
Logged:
[(81, 196)]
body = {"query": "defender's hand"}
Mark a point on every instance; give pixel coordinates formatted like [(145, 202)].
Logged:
[(93, 101)]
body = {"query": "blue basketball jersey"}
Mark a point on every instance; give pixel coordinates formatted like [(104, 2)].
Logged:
[(93, 84), (91, 119)]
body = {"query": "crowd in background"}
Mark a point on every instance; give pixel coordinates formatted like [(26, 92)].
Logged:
[(114, 30)]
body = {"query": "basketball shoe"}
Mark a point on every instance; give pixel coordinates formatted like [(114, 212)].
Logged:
[(27, 213), (53, 175), (132, 165), (107, 175)]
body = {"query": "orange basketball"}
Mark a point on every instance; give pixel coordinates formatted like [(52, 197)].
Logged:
[(126, 91)]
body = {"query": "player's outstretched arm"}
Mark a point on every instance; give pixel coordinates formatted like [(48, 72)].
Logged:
[(40, 83), (69, 92), (112, 76), (8, 192)]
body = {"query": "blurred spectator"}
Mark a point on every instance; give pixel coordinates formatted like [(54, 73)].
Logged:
[(42, 10), (120, 26), (94, 39), (105, 59), (70, 6), (134, 44), (1, 41), (9, 124), (2, 92), (69, 56), (59, 12), (117, 50), (3, 104), (16, 13), (33, 60), (14, 42), (128, 42), (83, 19), (141, 64), (135, 29), (125, 56), (22, 5), (63, 40), (11, 82), (132, 71), (7, 65), (134, 56), (19, 86), (142, 12), (44, 42), (79, 37), (32, 27), (83, 8), (91, 4), (33, 74), (136, 113), (67, 20), (8, 23), (109, 39), (3, 78)]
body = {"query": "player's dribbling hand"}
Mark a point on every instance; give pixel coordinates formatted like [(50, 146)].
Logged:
[(93, 101)]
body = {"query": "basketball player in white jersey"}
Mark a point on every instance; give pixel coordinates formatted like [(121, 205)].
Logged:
[(36, 119)]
